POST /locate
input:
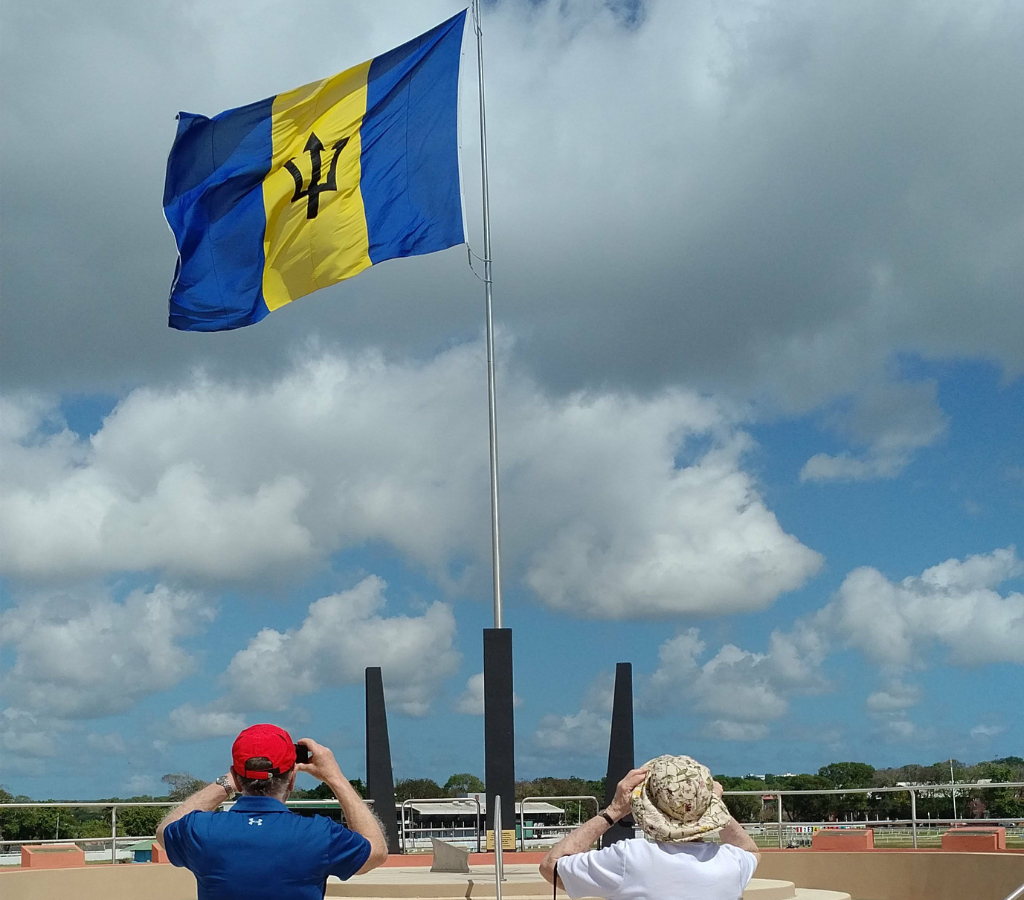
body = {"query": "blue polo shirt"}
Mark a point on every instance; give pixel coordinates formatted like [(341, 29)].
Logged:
[(260, 849)]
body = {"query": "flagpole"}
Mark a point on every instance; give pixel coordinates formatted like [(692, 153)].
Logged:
[(499, 699), (492, 419)]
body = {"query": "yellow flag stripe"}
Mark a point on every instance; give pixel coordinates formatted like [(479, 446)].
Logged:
[(314, 241)]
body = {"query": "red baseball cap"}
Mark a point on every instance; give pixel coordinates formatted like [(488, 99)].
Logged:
[(266, 741)]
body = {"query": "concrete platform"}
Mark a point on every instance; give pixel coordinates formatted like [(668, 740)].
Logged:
[(522, 882)]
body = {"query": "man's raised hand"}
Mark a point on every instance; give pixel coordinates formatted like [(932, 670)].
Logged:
[(322, 765)]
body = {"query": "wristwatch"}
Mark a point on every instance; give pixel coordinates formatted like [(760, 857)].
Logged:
[(606, 817), (225, 783)]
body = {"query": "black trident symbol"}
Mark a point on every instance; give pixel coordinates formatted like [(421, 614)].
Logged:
[(314, 147)]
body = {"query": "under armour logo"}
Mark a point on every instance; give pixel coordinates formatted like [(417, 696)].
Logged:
[(253, 821), (314, 147)]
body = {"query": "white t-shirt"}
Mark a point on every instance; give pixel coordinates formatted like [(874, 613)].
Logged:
[(641, 870)]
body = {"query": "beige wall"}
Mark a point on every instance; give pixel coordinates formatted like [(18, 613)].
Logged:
[(885, 875), (895, 875), (129, 881)]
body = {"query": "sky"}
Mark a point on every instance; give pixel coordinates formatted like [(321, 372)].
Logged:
[(759, 299)]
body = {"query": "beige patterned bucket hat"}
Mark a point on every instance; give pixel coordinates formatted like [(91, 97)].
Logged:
[(676, 801)]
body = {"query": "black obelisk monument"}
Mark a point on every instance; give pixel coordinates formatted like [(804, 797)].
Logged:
[(620, 748), (380, 780)]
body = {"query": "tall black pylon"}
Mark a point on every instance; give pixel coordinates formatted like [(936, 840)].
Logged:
[(499, 727), (380, 779), (620, 748)]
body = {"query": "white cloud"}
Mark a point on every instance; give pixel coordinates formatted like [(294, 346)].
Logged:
[(896, 728), (984, 732), (677, 666), (639, 537), (187, 723), (341, 635), (111, 744), (83, 654), (736, 682), (725, 730), (143, 785), (953, 604), (218, 480), (82, 507), (584, 733), (895, 696), (26, 735), (471, 700), (895, 419), (739, 693), (845, 467), (736, 686)]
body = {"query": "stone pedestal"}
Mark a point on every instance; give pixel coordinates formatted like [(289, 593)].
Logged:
[(844, 839), (52, 856), (975, 840)]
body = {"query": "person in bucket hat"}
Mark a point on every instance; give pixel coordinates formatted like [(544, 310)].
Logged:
[(676, 803)]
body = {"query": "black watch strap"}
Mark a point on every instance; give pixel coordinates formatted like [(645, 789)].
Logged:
[(606, 817)]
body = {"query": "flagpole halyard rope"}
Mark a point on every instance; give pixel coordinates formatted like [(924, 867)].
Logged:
[(469, 256)]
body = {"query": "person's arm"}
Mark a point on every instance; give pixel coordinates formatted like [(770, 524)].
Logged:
[(323, 766), (736, 834), (206, 799), (582, 838)]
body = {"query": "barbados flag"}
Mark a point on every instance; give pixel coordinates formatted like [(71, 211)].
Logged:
[(271, 201)]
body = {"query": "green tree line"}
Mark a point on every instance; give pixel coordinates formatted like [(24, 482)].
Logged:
[(978, 803)]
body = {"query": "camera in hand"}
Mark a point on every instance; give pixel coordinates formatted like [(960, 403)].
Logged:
[(301, 753)]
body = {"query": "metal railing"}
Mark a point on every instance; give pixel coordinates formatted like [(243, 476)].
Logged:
[(435, 800), (913, 790), (522, 812), (1017, 894), (114, 807), (914, 822), (329, 801)]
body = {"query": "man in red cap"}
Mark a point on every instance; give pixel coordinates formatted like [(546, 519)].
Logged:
[(259, 848)]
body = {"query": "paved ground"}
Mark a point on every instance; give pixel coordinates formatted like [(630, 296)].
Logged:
[(400, 876), (521, 881)]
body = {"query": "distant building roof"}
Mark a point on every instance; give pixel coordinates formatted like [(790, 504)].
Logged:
[(460, 807)]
